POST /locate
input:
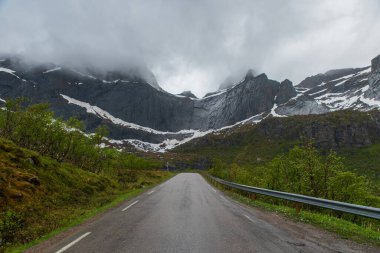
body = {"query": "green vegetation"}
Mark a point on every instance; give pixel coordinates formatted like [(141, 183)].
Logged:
[(35, 128), (304, 170), (364, 161), (362, 233), (53, 176), (353, 135), (342, 164)]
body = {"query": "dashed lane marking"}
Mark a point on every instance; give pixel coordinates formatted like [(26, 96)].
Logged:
[(130, 205), (223, 198), (73, 242), (249, 218)]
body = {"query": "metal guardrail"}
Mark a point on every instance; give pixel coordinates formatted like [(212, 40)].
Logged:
[(366, 211)]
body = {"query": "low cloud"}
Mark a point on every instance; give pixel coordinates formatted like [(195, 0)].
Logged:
[(195, 45)]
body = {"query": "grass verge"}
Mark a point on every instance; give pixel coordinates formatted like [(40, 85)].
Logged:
[(343, 228), (39, 196), (86, 215)]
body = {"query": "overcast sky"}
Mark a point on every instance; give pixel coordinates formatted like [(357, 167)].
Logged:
[(196, 44)]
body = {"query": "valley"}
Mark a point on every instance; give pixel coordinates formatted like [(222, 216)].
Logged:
[(190, 126), (120, 133), (140, 114)]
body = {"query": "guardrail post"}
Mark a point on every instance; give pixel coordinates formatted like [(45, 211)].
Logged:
[(298, 207)]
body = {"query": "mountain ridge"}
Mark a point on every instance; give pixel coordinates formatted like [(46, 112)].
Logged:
[(140, 113)]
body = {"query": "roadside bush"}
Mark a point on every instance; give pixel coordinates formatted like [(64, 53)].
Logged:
[(10, 223), (304, 170), (35, 127)]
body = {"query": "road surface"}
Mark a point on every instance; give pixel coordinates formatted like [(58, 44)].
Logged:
[(186, 214)]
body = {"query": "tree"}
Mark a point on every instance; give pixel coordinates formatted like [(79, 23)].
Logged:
[(276, 174), (100, 133), (348, 187), (333, 163)]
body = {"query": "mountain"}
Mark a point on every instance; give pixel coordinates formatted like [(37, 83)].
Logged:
[(354, 135), (138, 112), (130, 106), (232, 79)]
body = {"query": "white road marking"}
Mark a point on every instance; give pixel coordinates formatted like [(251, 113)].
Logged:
[(73, 242), (151, 192), (249, 218), (213, 189), (223, 198), (129, 205)]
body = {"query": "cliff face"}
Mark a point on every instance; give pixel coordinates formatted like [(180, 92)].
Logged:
[(374, 79), (252, 96), (335, 130), (346, 129), (137, 110), (286, 92), (135, 100)]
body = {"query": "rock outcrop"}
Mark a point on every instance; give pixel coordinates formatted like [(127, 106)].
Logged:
[(286, 92), (374, 79)]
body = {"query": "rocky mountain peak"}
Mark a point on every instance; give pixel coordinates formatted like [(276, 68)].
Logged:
[(374, 79), (250, 75), (134, 108), (286, 82), (286, 92), (262, 76), (375, 64)]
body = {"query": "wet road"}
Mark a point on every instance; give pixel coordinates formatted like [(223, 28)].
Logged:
[(186, 214)]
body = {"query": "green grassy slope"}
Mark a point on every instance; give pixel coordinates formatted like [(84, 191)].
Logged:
[(39, 195), (353, 135)]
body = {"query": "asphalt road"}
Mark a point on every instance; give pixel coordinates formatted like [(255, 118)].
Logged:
[(186, 214)]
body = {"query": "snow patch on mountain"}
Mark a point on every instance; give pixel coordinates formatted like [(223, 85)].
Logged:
[(146, 146), (315, 93), (106, 115), (114, 81), (84, 75), (166, 144), (342, 78), (350, 99), (9, 71), (304, 90), (176, 139), (218, 93), (343, 92), (274, 113), (52, 70), (169, 144), (340, 83)]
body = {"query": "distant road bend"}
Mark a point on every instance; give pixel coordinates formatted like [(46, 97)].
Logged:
[(186, 214)]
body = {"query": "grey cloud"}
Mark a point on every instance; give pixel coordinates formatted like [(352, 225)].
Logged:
[(195, 45)]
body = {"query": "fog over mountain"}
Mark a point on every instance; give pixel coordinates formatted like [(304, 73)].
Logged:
[(194, 45)]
